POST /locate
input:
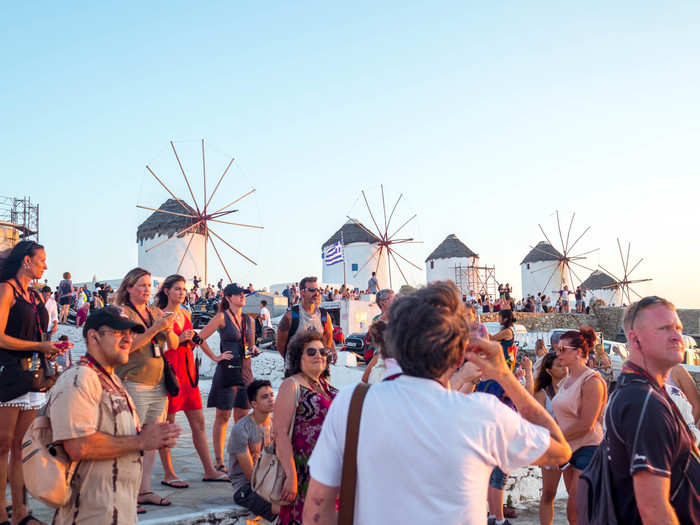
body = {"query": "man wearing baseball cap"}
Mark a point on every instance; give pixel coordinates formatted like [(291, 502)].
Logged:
[(94, 417)]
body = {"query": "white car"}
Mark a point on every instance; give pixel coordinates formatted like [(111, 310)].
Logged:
[(618, 354)]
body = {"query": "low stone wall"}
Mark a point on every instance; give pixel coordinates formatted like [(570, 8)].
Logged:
[(546, 322)]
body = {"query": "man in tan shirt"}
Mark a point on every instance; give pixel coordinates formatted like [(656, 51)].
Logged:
[(94, 417)]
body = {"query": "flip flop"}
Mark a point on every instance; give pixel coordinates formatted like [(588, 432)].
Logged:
[(140, 510), (27, 519), (159, 503), (221, 477), (171, 484), (221, 468)]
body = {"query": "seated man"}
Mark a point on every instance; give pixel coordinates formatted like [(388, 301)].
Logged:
[(247, 438)]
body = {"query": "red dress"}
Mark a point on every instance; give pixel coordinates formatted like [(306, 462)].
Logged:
[(182, 361)]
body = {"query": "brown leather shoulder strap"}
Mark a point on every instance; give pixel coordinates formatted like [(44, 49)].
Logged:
[(348, 481)]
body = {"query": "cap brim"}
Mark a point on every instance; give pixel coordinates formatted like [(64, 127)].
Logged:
[(124, 324)]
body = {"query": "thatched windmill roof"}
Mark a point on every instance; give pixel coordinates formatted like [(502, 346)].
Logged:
[(542, 252), (351, 233), (449, 248), (598, 280), (166, 224)]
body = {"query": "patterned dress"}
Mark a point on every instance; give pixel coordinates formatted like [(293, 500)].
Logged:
[(308, 420)]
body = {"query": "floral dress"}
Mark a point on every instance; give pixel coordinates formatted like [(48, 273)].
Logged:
[(308, 420)]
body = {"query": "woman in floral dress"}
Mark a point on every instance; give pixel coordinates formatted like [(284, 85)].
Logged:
[(301, 406)]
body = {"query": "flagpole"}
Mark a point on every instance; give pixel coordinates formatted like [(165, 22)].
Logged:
[(342, 247)]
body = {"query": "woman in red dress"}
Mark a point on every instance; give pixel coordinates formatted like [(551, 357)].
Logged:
[(170, 298)]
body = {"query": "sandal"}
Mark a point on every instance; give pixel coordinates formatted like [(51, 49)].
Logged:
[(176, 483), (140, 510), (162, 502), (221, 477), (27, 519), (221, 468)]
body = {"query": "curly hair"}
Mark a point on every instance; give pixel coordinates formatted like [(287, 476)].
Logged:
[(584, 339), (296, 348), (428, 330)]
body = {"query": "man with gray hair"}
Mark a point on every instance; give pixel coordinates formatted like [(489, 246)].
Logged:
[(653, 456), (384, 299), (438, 471)]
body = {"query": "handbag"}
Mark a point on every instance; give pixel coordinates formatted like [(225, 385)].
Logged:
[(47, 468), (348, 479), (268, 475), (197, 361), (172, 384)]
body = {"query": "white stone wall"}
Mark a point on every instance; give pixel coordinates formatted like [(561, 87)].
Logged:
[(444, 269), (358, 253), (164, 259), (611, 296)]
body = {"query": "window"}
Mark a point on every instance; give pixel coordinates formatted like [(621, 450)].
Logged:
[(354, 267), (528, 266), (432, 265)]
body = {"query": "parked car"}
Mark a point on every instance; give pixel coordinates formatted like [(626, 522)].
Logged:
[(618, 354), (692, 351), (357, 343)]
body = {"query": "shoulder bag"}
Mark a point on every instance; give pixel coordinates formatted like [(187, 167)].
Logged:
[(268, 475), (348, 480)]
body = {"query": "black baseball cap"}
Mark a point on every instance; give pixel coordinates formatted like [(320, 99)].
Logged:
[(234, 289), (114, 317)]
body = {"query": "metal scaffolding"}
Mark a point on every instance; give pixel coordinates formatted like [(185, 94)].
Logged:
[(19, 220), (479, 279)]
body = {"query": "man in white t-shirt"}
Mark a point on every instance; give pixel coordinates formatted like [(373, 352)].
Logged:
[(265, 315), (425, 452)]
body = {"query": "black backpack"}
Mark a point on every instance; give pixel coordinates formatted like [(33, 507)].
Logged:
[(295, 320), (594, 500)]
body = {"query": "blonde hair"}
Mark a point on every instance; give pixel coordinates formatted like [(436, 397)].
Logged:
[(130, 279)]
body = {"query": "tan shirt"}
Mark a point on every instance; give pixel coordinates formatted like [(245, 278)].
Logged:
[(104, 491), (567, 409), (142, 367)]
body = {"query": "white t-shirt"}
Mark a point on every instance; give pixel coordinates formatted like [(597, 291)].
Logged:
[(425, 453), (265, 317)]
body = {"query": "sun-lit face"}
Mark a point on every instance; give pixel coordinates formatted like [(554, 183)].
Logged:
[(567, 353), (313, 365), (177, 292), (113, 344), (140, 292), (237, 301), (36, 265), (658, 335)]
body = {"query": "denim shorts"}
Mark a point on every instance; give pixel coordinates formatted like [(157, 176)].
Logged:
[(498, 479), (582, 457)]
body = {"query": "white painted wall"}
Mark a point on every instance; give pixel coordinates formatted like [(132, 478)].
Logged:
[(611, 296), (444, 269), (164, 259), (358, 253), (534, 281)]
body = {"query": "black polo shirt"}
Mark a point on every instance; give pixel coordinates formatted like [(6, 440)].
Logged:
[(662, 447)]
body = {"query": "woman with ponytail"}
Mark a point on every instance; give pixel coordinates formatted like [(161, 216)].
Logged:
[(169, 298), (579, 407), (233, 374)]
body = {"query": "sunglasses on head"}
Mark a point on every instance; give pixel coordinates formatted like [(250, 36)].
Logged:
[(311, 351), (642, 304)]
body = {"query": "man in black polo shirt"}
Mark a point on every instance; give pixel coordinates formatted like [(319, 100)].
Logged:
[(654, 461)]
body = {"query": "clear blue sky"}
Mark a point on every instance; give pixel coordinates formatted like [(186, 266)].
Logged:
[(487, 116)]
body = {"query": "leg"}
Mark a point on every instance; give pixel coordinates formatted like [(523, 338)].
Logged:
[(199, 439), (571, 476), (219, 434), (495, 498), (550, 482), (19, 507), (166, 459), (8, 421), (239, 413)]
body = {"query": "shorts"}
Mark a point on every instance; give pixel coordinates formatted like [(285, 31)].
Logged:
[(582, 457), (28, 401), (228, 397), (148, 400), (498, 479), (63, 301), (245, 497)]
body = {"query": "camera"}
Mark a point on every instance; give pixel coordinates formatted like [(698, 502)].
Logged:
[(196, 339)]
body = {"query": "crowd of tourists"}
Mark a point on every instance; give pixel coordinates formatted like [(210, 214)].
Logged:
[(444, 412), (540, 303)]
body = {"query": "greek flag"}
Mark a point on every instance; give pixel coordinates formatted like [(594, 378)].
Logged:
[(334, 254)]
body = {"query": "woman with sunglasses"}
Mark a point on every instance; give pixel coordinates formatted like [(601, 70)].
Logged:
[(551, 373), (301, 406), (579, 407), (234, 374)]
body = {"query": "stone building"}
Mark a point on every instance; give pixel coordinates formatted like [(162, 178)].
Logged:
[(541, 271), (450, 257), (600, 285)]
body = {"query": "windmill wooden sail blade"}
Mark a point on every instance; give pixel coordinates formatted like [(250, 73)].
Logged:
[(219, 183), (166, 188), (177, 157), (166, 211), (234, 249), (372, 215), (213, 245), (235, 201)]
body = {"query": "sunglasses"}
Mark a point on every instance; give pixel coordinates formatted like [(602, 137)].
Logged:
[(564, 348), (323, 352), (642, 304), (312, 290)]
